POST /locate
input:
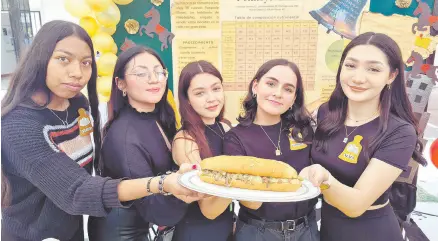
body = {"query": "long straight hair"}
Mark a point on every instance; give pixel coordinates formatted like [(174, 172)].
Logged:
[(117, 102), (191, 122), (31, 73), (392, 101), (297, 117)]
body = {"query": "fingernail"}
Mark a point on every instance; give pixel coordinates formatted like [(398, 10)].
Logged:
[(194, 167)]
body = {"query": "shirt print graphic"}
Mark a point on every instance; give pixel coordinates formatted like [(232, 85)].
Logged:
[(67, 139), (352, 150), (294, 146)]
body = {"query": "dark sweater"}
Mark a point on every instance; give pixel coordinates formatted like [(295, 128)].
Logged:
[(134, 148), (47, 166)]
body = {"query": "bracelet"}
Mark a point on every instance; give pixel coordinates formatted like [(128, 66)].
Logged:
[(161, 186), (148, 186)]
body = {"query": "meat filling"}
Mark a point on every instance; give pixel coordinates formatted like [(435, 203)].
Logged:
[(249, 179)]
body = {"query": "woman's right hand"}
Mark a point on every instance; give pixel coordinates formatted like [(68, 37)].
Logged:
[(316, 174), (172, 185)]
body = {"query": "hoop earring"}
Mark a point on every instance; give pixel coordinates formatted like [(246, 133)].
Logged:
[(124, 93), (290, 108), (254, 95)]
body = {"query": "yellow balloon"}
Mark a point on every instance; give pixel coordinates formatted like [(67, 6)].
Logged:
[(110, 16), (123, 2), (77, 8), (115, 49), (103, 99), (99, 5), (106, 63), (103, 85), (102, 42), (171, 101), (89, 24), (109, 30)]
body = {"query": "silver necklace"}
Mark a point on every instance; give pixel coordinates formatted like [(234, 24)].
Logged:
[(221, 136), (347, 135), (277, 147), (357, 121), (64, 122)]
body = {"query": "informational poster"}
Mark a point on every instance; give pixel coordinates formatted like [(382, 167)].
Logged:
[(239, 36), (197, 32)]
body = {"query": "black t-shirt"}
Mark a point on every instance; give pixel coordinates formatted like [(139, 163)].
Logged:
[(346, 161), (252, 141), (194, 221)]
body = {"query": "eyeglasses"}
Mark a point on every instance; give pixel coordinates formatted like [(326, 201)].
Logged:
[(146, 76)]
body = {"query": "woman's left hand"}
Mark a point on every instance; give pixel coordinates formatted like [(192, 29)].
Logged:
[(316, 174)]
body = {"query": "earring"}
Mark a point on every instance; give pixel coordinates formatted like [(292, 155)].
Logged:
[(290, 108), (124, 93), (254, 95), (389, 86)]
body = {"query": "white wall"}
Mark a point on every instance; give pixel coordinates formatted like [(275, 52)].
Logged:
[(51, 10), (8, 60)]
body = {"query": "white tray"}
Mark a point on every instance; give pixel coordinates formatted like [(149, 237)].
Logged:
[(192, 181)]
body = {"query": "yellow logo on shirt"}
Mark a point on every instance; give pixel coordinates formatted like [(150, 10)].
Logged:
[(295, 146), (352, 150), (85, 126)]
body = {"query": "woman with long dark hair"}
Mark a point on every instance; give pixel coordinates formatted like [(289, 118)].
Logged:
[(275, 125), (136, 145), (201, 104), (47, 150), (365, 137)]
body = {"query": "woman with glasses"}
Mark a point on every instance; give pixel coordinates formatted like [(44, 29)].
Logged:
[(136, 144)]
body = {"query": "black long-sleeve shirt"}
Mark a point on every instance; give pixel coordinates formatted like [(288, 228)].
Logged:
[(134, 148), (46, 166)]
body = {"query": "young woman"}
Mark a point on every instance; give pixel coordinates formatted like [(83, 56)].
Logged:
[(201, 104), (276, 126), (136, 144), (371, 131), (47, 150)]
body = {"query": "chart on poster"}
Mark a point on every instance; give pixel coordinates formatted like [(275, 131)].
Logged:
[(247, 45)]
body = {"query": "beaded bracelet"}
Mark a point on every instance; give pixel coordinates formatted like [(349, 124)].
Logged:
[(148, 186), (161, 186)]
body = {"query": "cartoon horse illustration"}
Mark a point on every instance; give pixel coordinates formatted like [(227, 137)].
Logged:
[(416, 61), (425, 17), (154, 26)]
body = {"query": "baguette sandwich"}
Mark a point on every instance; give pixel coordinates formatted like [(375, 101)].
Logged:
[(250, 173)]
